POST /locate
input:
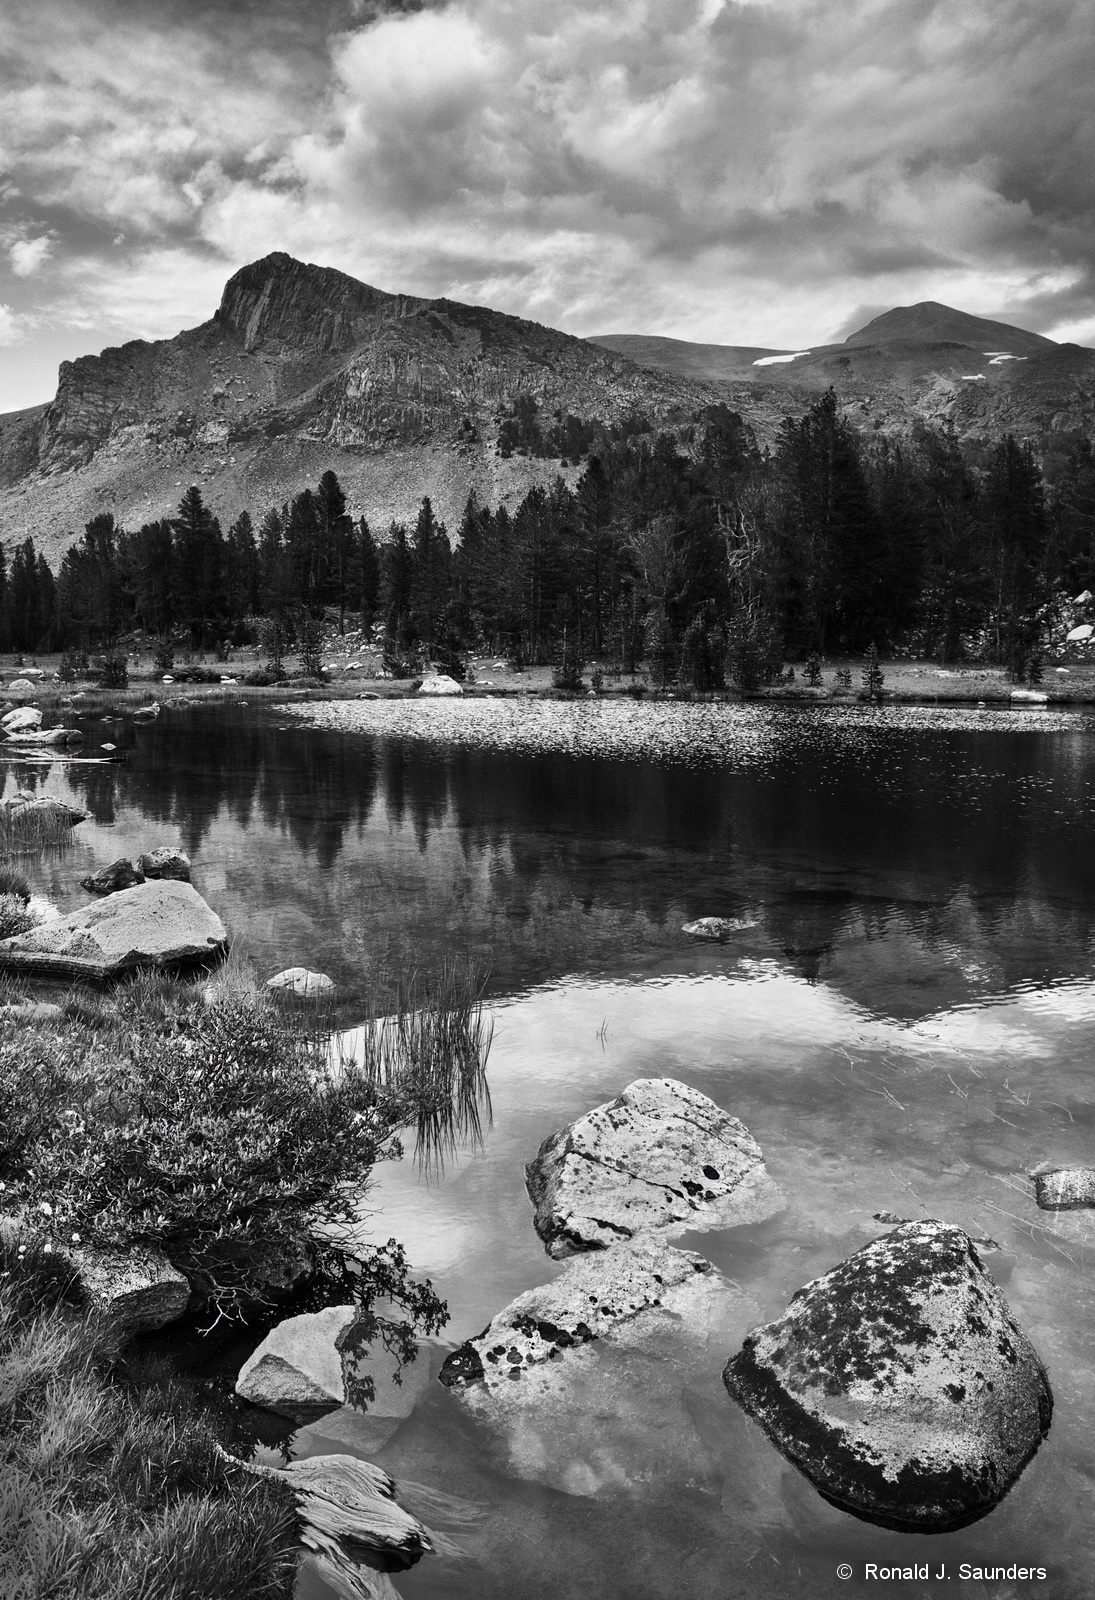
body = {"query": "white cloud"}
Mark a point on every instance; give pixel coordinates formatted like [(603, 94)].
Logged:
[(12, 327), (27, 255)]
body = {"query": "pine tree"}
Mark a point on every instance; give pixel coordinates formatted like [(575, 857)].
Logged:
[(199, 565)]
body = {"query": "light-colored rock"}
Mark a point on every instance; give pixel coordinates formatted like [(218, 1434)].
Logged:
[(660, 1156), (30, 1011), (22, 686), (146, 713), (152, 925), (715, 928), (21, 720), (120, 874), (300, 981), (1033, 697), (439, 683), (588, 1383), (23, 810), (297, 1369), (139, 1289), (165, 862), (1065, 1188), (899, 1383)]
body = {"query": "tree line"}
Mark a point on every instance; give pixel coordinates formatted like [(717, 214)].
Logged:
[(693, 550)]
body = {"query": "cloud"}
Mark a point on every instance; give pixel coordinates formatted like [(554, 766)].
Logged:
[(27, 255), (738, 172), (13, 328)]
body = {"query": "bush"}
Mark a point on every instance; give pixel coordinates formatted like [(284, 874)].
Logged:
[(218, 1135), (14, 917), (263, 678), (112, 670), (197, 675), (873, 676), (14, 882), (813, 670)]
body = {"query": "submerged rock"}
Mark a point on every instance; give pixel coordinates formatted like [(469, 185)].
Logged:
[(899, 1383), (152, 925), (715, 928), (1065, 1188), (659, 1156), (300, 981), (165, 862), (588, 1383), (120, 874)]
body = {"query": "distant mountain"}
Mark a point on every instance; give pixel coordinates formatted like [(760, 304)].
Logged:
[(926, 362), (303, 368), (928, 322)]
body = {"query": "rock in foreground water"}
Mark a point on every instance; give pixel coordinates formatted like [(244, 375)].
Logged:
[(660, 1156), (301, 981), (120, 874), (899, 1383), (165, 862), (297, 1369), (716, 929), (164, 924)]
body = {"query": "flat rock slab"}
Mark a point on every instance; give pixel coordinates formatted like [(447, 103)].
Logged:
[(661, 1156), (35, 738), (899, 1383), (584, 1382), (1066, 1189), (163, 924)]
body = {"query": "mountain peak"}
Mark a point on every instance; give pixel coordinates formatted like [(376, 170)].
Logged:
[(930, 322), (288, 303)]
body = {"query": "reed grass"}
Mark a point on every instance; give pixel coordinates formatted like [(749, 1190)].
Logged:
[(429, 1055)]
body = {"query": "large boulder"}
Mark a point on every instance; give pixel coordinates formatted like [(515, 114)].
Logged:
[(899, 1383), (22, 686), (588, 1382), (164, 924), (22, 720), (660, 1156), (165, 862), (138, 1290), (120, 874)]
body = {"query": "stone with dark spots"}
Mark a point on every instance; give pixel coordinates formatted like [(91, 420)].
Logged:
[(899, 1383), (659, 1157), (120, 874), (1065, 1189)]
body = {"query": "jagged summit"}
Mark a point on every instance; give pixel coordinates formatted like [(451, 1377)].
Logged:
[(929, 322), (294, 304)]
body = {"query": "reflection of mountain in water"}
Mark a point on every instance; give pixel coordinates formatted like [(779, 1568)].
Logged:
[(870, 865)]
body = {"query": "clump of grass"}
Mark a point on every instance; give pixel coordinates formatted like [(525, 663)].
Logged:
[(14, 916), (14, 882), (427, 1056), (28, 829), (111, 1484)]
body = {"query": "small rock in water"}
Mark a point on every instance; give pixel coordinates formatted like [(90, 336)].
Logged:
[(146, 713), (1066, 1189), (165, 862), (715, 928), (659, 1156), (899, 1383), (297, 1369), (120, 874), (298, 980)]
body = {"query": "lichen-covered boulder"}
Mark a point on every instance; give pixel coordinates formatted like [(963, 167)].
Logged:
[(1065, 1188), (899, 1383), (588, 1382), (138, 1289), (660, 1156), (155, 925), (120, 874)]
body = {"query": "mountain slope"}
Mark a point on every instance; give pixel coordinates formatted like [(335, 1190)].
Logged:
[(302, 368), (928, 322)]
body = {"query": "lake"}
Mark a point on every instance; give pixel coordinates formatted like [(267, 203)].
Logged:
[(907, 1026)]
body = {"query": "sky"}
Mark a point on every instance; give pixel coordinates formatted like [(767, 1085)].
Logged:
[(758, 172)]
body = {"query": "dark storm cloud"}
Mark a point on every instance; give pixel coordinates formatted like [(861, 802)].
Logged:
[(746, 172)]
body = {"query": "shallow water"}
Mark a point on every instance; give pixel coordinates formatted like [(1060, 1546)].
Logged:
[(907, 1027)]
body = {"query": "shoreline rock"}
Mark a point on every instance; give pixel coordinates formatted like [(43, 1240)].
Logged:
[(660, 1156), (1065, 1189), (899, 1383), (160, 924)]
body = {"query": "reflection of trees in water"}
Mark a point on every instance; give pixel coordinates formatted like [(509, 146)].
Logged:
[(957, 842)]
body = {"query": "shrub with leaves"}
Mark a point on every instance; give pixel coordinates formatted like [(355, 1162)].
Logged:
[(14, 916)]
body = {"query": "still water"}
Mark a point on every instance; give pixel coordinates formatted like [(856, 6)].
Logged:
[(907, 1026)]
